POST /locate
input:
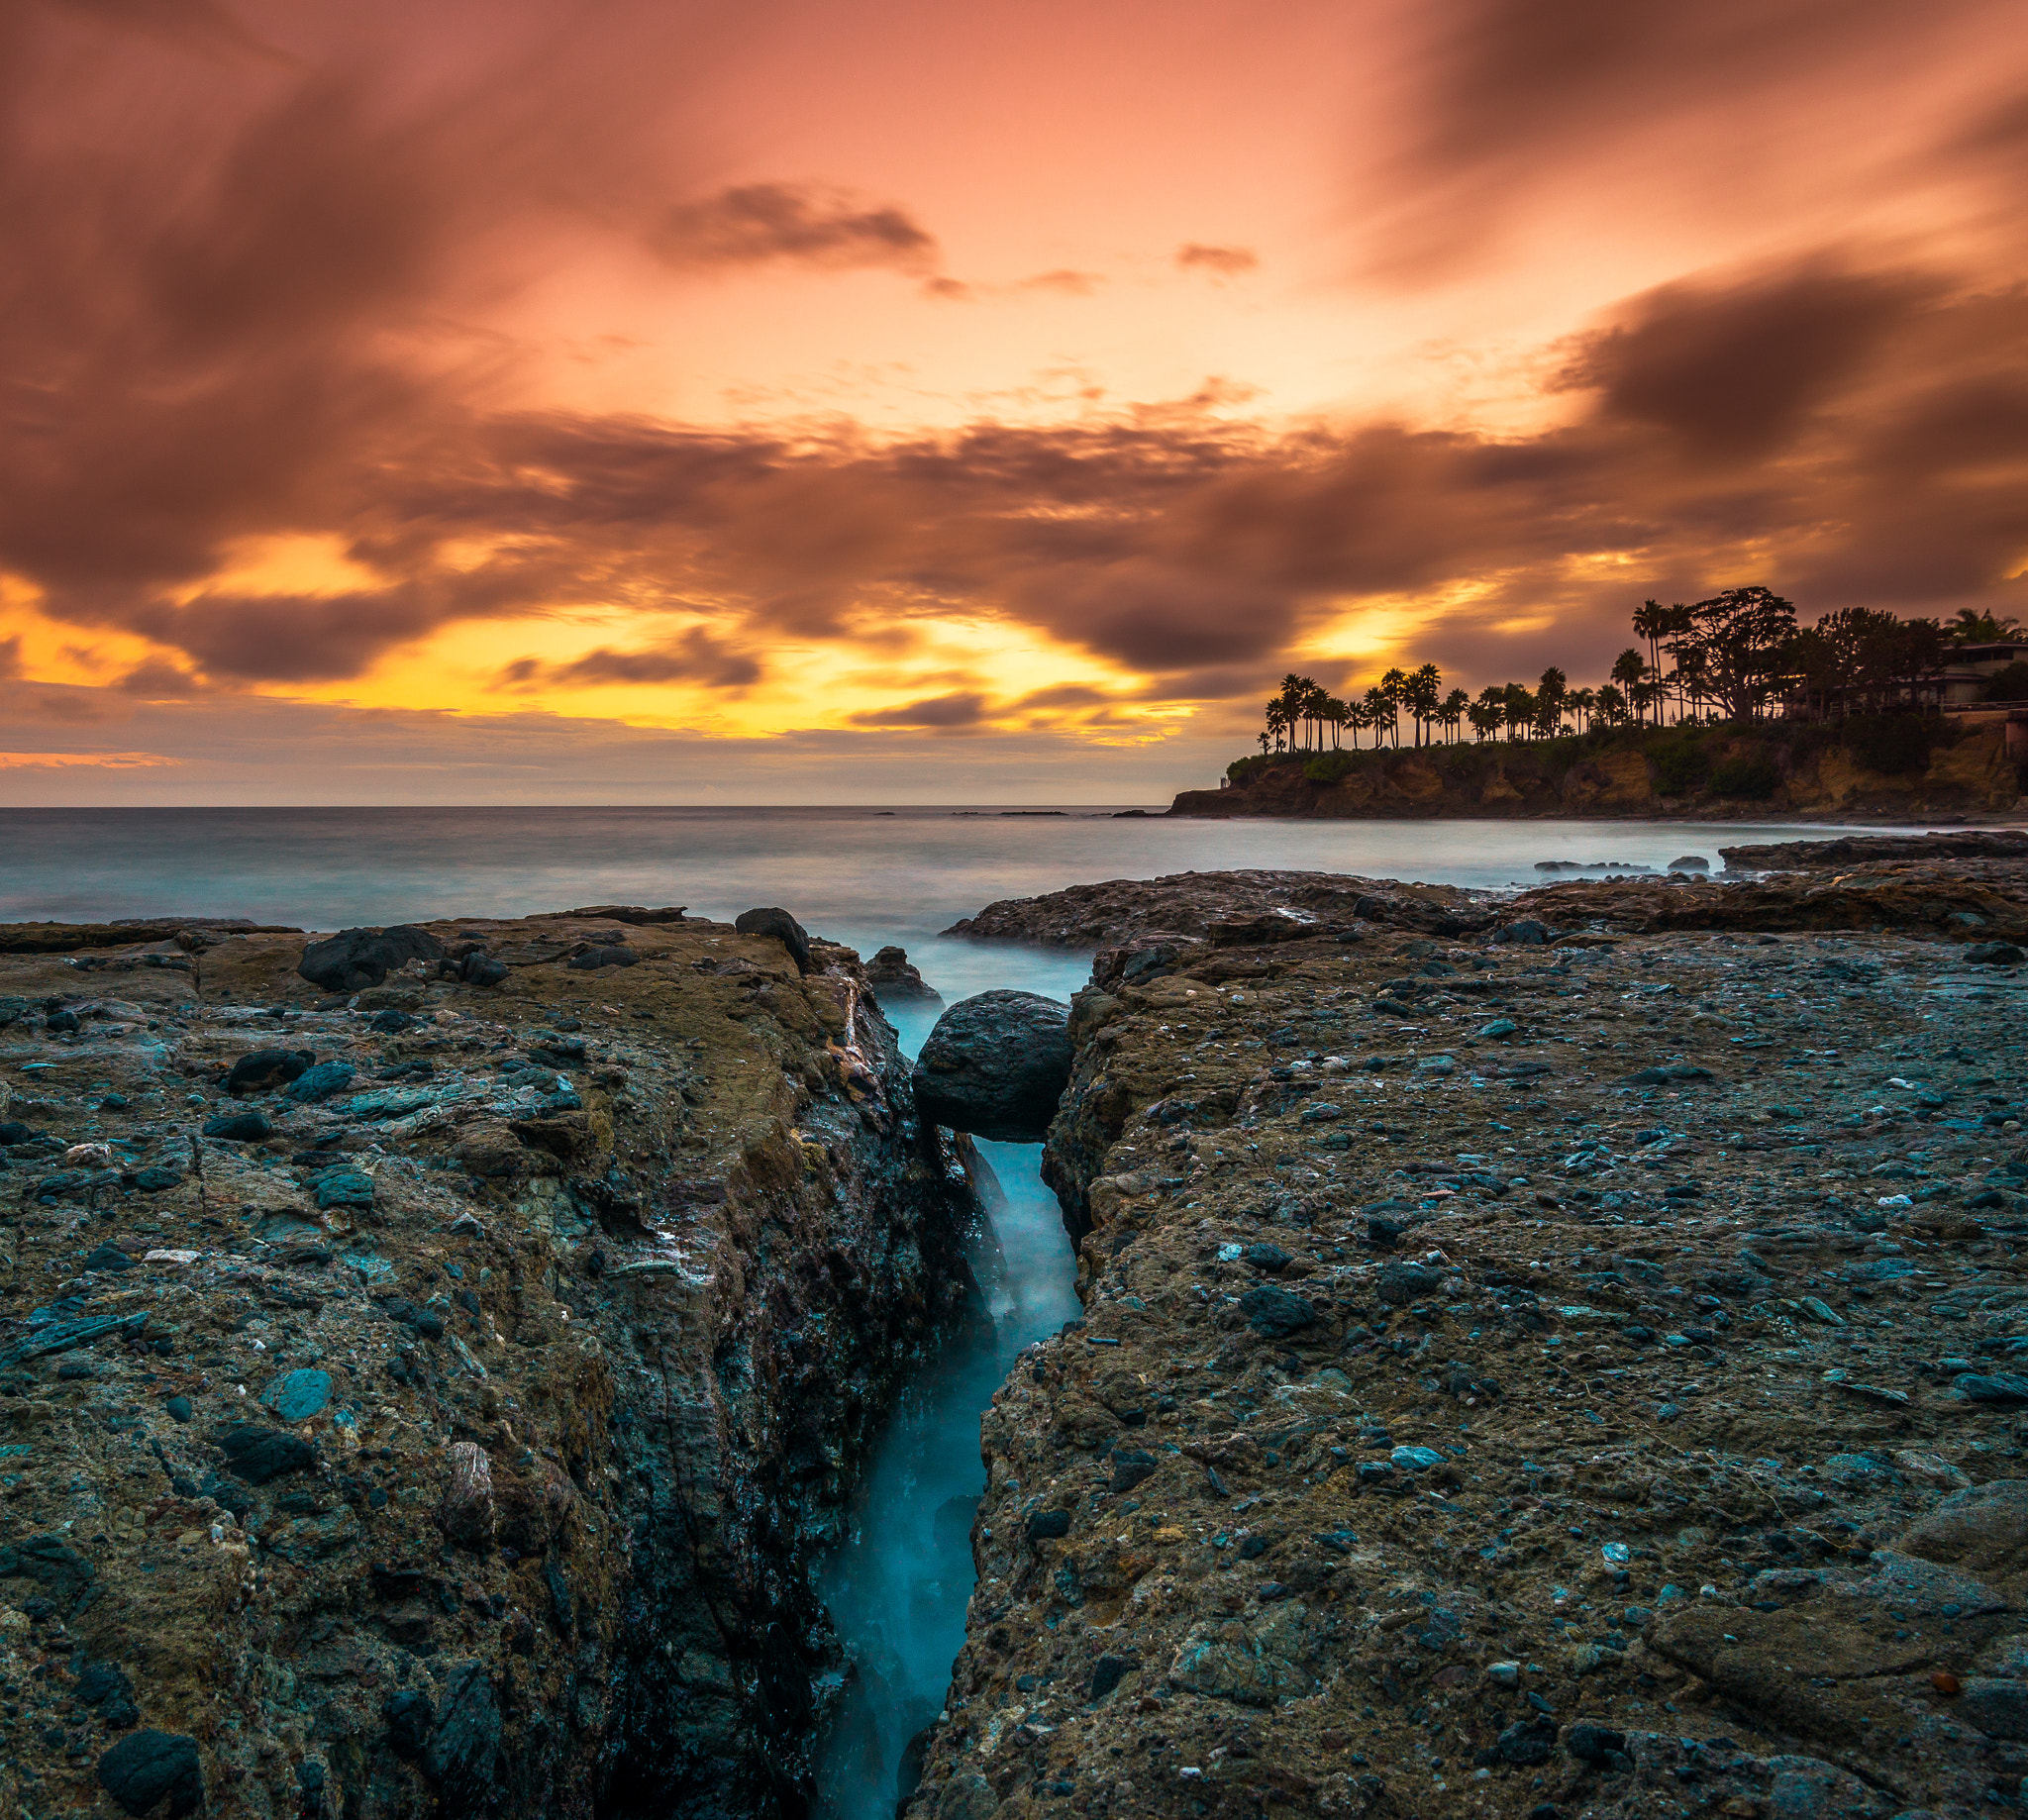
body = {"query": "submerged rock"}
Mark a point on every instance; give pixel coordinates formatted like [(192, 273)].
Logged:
[(995, 1067), (896, 983)]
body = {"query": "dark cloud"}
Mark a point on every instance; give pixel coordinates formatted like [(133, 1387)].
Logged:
[(937, 714), (753, 224), (1511, 94), (1840, 435), (1734, 369), (159, 681), (10, 657), (694, 656), (1218, 261)]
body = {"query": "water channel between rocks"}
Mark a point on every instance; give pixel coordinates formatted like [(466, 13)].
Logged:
[(898, 1587)]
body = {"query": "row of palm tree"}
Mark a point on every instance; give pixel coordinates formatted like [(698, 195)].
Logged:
[(1733, 656), (1303, 717)]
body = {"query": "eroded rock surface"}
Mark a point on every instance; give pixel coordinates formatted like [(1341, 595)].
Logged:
[(1586, 1380), (1225, 907), (454, 1436)]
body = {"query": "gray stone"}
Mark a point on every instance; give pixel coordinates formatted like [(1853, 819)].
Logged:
[(995, 1065)]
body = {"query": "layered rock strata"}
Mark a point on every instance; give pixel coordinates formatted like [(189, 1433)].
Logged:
[(428, 1400), (1519, 1381)]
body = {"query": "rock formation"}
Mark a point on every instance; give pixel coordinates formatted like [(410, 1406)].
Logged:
[(431, 1398), (1579, 1380), (995, 1065)]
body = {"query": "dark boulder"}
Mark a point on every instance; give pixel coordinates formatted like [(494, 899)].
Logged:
[(465, 1747), (239, 1127), (258, 1455), (267, 1067), (995, 1065), (105, 1686), (594, 955), (896, 983), (1527, 1744), (1277, 1312), (783, 928), (1407, 1283), (1527, 933), (142, 1769), (355, 959), (479, 969), (1995, 953)]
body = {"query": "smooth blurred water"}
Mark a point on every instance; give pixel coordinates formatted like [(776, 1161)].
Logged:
[(859, 875), (898, 1587)]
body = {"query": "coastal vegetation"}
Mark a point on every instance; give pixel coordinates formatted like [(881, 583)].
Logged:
[(1733, 658)]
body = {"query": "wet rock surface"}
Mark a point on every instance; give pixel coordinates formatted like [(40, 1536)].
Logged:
[(995, 1065), (1225, 908), (450, 1431), (1520, 1380)]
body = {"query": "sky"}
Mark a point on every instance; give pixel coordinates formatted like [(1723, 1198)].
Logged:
[(838, 402)]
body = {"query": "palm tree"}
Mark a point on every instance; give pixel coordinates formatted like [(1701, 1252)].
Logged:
[(1489, 711), (1629, 671), (1393, 691), (1381, 713), (1518, 705), (1453, 711), (1422, 693), (1613, 705), (1583, 703)]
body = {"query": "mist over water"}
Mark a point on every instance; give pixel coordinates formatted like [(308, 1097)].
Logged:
[(899, 1584)]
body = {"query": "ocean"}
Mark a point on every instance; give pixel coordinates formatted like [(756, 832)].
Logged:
[(898, 1587)]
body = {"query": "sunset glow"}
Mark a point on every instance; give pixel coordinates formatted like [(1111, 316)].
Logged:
[(821, 402)]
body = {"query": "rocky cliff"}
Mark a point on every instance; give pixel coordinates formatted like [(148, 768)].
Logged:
[(428, 1399), (1718, 773), (1524, 1379)]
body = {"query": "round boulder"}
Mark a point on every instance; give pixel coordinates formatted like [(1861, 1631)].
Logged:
[(995, 1067), (777, 922)]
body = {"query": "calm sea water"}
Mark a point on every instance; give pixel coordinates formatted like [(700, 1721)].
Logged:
[(898, 1587)]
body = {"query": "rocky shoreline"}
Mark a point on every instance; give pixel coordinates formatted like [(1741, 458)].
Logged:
[(1556, 1354), (1569, 1365), (429, 1395)]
